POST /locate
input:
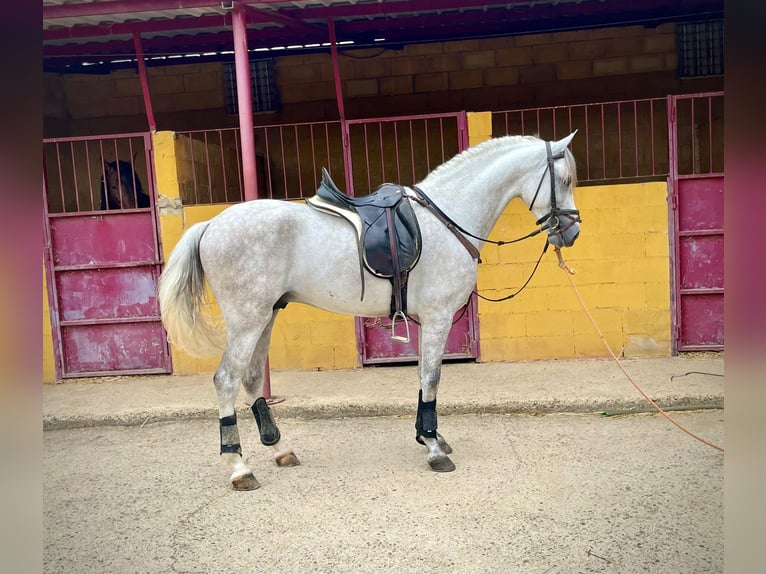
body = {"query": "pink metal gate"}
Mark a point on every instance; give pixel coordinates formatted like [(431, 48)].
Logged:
[(696, 184), (404, 150), (102, 260)]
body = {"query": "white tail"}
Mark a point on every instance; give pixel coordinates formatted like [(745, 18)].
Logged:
[(184, 305)]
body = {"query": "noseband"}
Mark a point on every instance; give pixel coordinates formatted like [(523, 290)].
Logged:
[(552, 220)]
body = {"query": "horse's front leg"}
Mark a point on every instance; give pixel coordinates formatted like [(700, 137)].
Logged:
[(433, 338), (253, 383)]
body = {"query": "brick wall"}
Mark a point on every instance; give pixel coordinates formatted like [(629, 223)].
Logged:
[(490, 74)]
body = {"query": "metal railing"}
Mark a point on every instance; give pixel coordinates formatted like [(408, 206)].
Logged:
[(617, 142), (288, 157)]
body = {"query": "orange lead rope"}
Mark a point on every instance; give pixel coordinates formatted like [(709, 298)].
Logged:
[(568, 271)]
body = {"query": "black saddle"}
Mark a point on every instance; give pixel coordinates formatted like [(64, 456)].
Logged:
[(388, 235)]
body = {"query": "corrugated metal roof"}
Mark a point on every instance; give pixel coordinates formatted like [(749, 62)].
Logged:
[(77, 31)]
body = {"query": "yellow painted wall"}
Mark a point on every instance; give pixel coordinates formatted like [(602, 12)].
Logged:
[(622, 272), (49, 368)]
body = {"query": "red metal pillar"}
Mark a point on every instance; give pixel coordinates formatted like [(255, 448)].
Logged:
[(244, 100), (341, 110), (144, 81), (247, 135)]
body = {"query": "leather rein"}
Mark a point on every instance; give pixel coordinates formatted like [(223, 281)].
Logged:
[(551, 220)]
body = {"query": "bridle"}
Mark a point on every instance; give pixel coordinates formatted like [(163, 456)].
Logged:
[(552, 219)]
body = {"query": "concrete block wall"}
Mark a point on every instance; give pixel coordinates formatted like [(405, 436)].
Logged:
[(622, 273), (489, 74)]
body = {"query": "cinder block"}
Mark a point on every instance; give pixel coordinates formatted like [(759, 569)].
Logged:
[(587, 50), (658, 294), (168, 84), (657, 244), (574, 70), (647, 63), (124, 106), (128, 87), (537, 74), (461, 46), (346, 356), (646, 346), (431, 82), (532, 39), (361, 88), (660, 43), (508, 76), (461, 80), (624, 45), (607, 320), (492, 350), (610, 66), (515, 349), (518, 56), (551, 347), (396, 85), (479, 60), (548, 53), (545, 323), (422, 49)]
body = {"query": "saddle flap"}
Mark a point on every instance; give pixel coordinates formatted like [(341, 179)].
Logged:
[(378, 238)]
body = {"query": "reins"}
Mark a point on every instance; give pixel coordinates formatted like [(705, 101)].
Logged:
[(550, 220)]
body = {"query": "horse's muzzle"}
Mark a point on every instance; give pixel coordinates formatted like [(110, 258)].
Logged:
[(564, 230)]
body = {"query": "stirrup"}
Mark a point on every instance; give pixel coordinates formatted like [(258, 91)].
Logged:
[(394, 336)]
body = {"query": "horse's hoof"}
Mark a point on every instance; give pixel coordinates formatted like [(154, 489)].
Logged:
[(446, 448), (442, 464), (287, 459), (245, 482)]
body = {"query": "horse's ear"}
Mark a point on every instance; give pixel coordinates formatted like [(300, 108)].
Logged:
[(563, 143)]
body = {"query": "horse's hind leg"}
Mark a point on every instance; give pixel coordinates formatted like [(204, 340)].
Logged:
[(433, 338), (253, 382), (232, 371)]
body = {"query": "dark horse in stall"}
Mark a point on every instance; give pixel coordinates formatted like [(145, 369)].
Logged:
[(121, 188)]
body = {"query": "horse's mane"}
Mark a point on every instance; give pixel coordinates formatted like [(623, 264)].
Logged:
[(504, 141)]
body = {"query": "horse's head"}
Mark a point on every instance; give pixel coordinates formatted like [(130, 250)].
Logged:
[(553, 201), (120, 186)]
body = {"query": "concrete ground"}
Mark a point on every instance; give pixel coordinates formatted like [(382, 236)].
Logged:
[(133, 483)]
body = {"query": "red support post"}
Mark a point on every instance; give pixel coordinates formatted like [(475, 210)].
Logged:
[(244, 100), (341, 110), (247, 134), (144, 81)]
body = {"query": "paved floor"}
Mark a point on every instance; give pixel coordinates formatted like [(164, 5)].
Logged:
[(561, 493)]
